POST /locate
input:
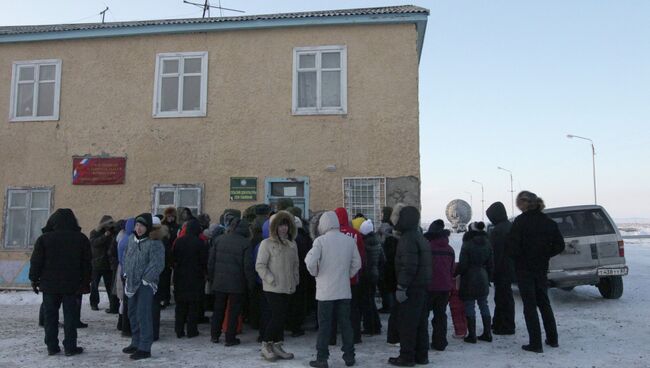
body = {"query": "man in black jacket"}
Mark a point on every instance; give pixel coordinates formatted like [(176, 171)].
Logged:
[(413, 270), (534, 239), (504, 303), (60, 268), (101, 240)]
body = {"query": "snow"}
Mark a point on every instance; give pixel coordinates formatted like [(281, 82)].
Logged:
[(594, 332)]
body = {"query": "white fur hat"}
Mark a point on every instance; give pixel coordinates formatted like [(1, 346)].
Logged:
[(155, 221), (367, 227)]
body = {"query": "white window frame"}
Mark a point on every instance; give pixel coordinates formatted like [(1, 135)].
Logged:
[(176, 188), (379, 197), (28, 206), (318, 110), (14, 90), (179, 113)]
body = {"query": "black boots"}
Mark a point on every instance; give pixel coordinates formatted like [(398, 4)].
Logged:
[(487, 329), (471, 330)]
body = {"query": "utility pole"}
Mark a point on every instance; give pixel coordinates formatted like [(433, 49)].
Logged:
[(103, 14), (482, 199), (512, 191)]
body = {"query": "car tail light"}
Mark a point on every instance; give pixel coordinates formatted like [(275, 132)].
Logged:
[(621, 248)]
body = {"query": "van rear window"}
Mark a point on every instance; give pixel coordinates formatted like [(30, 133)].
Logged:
[(582, 223)]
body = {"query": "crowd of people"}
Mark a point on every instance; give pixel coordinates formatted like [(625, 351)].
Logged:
[(274, 271)]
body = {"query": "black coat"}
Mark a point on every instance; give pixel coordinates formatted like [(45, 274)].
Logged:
[(230, 267), (100, 245), (190, 256), (375, 259), (534, 239), (389, 280), (304, 244), (475, 266), (413, 256), (60, 262), (503, 265)]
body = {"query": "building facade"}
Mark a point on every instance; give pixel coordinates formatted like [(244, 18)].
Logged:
[(209, 114)]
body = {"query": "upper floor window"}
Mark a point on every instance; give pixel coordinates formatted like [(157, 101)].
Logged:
[(181, 85), (26, 212), (320, 80), (35, 89)]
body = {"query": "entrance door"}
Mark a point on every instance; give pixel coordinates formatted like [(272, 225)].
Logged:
[(295, 188)]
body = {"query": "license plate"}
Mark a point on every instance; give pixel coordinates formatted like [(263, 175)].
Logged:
[(613, 271)]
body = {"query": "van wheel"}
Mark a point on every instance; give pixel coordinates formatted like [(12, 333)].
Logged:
[(611, 287), (568, 288)]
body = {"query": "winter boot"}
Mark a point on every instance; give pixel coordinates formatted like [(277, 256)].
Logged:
[(471, 330), (279, 351), (487, 330), (267, 352), (533, 349), (319, 364)]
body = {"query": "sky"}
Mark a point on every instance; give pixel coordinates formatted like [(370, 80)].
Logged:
[(501, 84)]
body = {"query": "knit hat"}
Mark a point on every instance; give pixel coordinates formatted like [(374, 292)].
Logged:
[(297, 221), (367, 227), (262, 209), (296, 211), (477, 226), (155, 221), (356, 223), (437, 226)]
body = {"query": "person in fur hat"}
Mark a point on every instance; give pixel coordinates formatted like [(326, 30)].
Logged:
[(277, 265)]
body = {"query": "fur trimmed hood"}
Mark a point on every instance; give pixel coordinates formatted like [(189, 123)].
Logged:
[(280, 218), (159, 232)]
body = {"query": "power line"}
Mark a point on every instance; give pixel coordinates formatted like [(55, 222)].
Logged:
[(206, 7)]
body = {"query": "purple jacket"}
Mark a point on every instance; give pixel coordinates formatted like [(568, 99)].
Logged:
[(443, 258)]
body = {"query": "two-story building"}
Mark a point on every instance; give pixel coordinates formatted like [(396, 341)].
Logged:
[(122, 118)]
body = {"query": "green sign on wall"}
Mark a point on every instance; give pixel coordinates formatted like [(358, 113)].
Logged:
[(243, 189)]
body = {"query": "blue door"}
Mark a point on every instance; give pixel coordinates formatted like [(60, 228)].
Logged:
[(295, 188)]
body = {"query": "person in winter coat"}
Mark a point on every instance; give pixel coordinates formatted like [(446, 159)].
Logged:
[(355, 306), (264, 309), (298, 300), (169, 221), (358, 219), (475, 267), (123, 320), (101, 240), (190, 257), (158, 233), (230, 271), (143, 262), (387, 283), (534, 239), (277, 265), (443, 258), (503, 322), (333, 260), (375, 261), (413, 269), (60, 267)]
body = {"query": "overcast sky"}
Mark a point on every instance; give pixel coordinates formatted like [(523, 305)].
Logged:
[(501, 84)]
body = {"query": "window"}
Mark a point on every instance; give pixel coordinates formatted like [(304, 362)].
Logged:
[(366, 196), (181, 85), (320, 80), (177, 195), (27, 211), (582, 223), (35, 88)]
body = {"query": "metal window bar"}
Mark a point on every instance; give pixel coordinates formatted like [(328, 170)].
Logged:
[(366, 196)]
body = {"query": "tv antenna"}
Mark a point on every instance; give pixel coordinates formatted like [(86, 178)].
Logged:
[(103, 14), (206, 7)]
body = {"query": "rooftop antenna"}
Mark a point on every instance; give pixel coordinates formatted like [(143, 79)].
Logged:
[(206, 7), (103, 14)]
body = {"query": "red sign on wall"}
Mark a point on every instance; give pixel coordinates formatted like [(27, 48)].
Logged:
[(98, 170)]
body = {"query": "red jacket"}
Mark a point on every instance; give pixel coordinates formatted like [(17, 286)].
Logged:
[(344, 222), (183, 230)]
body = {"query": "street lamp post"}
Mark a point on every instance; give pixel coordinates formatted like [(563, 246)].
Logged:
[(512, 191), (482, 199), (593, 160)]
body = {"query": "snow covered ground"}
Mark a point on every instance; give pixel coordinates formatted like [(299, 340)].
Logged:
[(594, 332)]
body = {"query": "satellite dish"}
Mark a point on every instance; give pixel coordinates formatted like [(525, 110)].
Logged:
[(459, 214)]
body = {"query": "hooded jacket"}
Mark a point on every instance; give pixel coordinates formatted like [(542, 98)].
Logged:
[(534, 239), (345, 228), (190, 257), (144, 260), (375, 259), (333, 260), (443, 259), (230, 268), (100, 243), (475, 266), (413, 255), (61, 260), (498, 235), (124, 241), (277, 259)]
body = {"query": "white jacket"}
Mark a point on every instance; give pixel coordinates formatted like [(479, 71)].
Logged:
[(333, 260)]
